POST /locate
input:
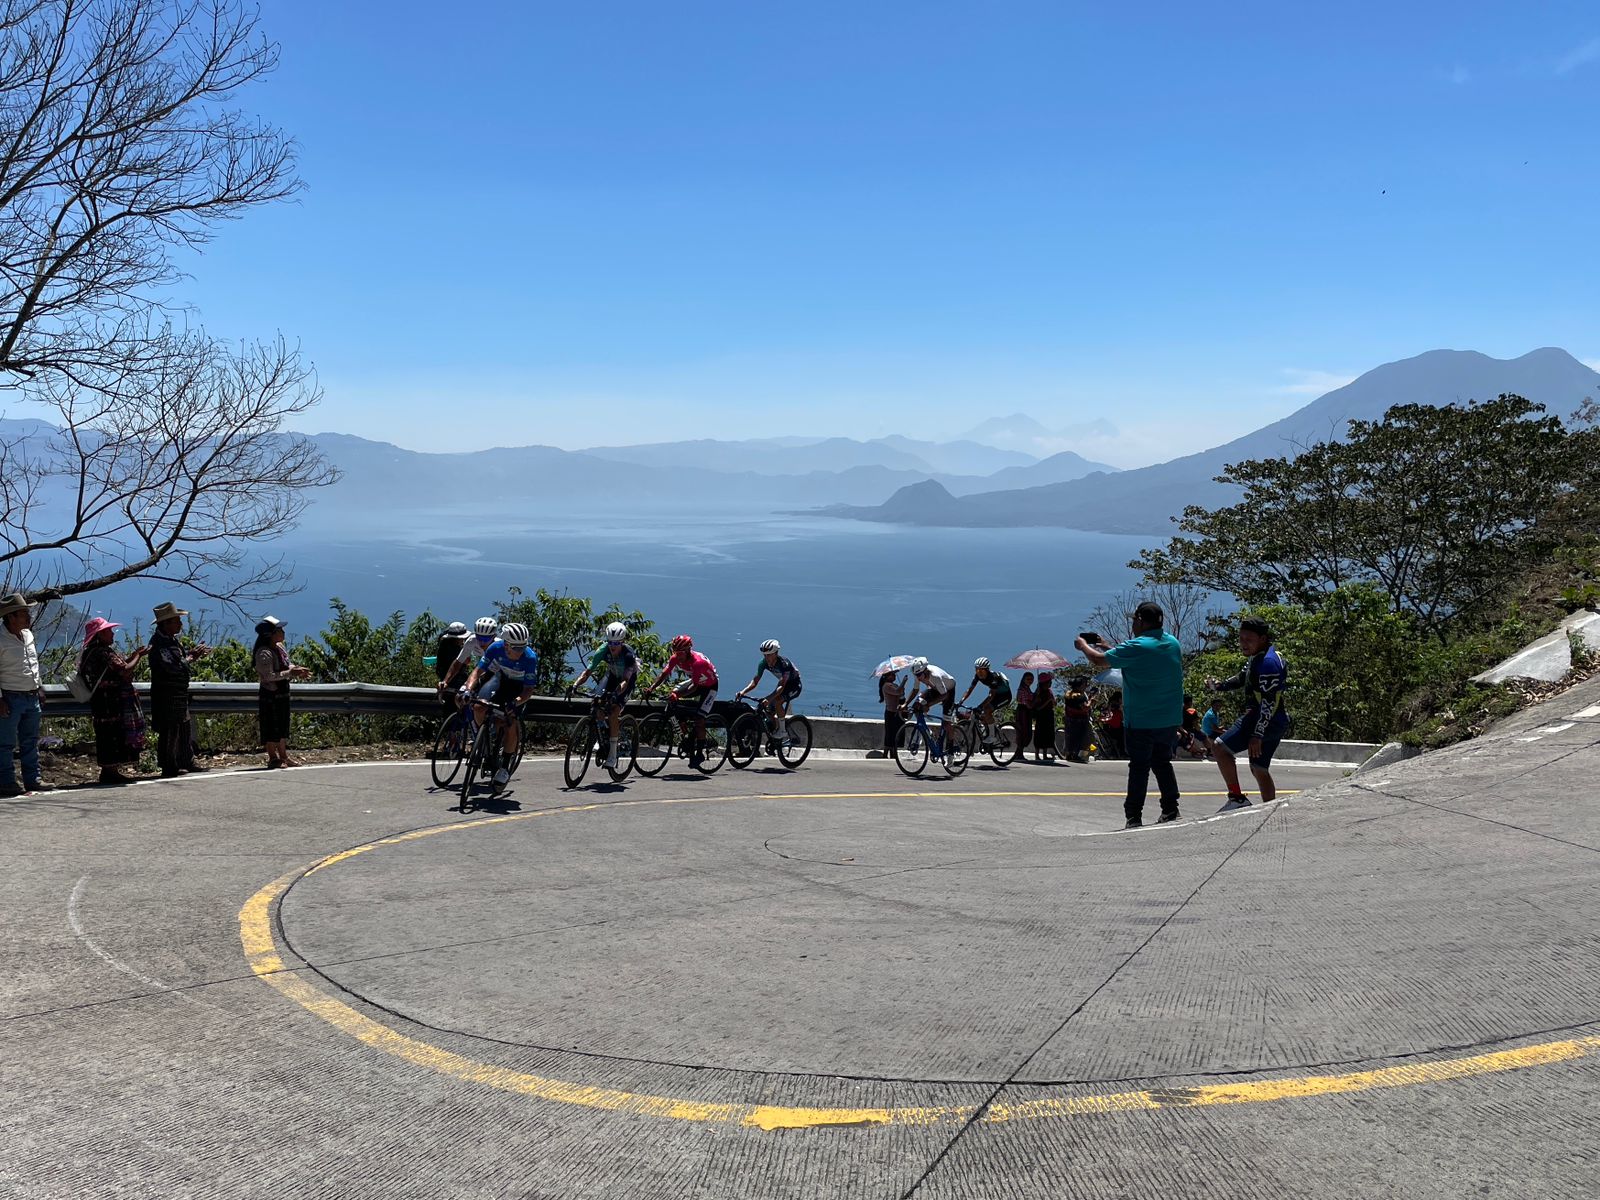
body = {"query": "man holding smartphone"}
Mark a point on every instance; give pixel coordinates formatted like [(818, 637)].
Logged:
[(1151, 662)]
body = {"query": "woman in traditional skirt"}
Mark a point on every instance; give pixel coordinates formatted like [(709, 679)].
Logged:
[(114, 705), (274, 671)]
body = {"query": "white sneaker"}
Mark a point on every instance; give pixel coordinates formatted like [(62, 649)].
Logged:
[(502, 777), (611, 761)]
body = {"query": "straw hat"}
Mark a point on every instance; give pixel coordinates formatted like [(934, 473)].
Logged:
[(12, 603), (165, 612), (97, 626)]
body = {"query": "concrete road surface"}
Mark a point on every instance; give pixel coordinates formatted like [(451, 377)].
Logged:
[(836, 982)]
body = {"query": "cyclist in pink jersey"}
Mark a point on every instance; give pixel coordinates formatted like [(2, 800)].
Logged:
[(699, 695)]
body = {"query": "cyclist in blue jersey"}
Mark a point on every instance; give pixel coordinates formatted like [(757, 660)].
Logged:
[(788, 677), (507, 673), (616, 668), (1265, 719)]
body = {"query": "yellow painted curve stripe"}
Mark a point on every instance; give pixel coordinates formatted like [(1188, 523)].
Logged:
[(266, 961)]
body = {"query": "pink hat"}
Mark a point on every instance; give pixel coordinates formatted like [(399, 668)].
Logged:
[(97, 625)]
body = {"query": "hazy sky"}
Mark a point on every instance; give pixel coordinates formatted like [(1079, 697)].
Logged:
[(582, 224)]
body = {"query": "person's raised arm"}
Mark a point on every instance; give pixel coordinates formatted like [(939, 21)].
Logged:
[(1093, 651)]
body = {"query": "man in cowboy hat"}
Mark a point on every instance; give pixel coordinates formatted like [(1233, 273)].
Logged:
[(21, 695), (169, 691)]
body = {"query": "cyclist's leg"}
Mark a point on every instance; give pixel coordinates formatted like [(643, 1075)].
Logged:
[(513, 731)]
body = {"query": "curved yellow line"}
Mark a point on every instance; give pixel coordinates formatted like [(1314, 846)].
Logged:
[(266, 961)]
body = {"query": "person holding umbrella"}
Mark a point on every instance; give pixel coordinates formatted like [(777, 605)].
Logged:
[(1044, 718), (892, 695)]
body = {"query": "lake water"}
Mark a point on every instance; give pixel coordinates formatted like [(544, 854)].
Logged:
[(840, 595)]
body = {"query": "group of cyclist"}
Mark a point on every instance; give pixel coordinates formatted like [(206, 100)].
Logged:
[(501, 669)]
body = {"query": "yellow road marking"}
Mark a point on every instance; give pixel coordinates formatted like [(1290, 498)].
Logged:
[(266, 961)]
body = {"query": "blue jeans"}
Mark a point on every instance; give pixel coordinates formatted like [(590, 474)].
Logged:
[(1150, 752), (20, 728)]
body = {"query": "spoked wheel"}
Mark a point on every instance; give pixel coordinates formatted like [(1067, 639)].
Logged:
[(796, 747), (1004, 751), (714, 749), (911, 749), (449, 748), (627, 741), (657, 740), (580, 748), (515, 760), (744, 740), (957, 751), (478, 760)]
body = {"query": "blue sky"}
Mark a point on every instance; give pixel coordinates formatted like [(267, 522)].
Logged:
[(630, 222)]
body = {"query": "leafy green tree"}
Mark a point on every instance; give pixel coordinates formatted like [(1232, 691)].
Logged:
[(564, 630), (1438, 507)]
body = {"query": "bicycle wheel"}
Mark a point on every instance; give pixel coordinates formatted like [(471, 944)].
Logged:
[(957, 751), (580, 748), (449, 748), (477, 765), (714, 749), (795, 748), (515, 760), (627, 742), (911, 749), (744, 740), (1004, 751), (657, 735)]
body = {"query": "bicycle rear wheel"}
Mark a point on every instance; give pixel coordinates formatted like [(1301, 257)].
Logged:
[(957, 751), (657, 738), (1004, 751), (714, 749), (449, 748), (796, 747), (911, 749), (515, 760), (580, 748), (744, 740)]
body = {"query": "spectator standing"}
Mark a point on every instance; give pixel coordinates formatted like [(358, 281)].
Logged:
[(1189, 734), (892, 695), (1111, 726), (170, 663), (1151, 662), (1044, 718), (275, 671), (21, 697), (114, 705), (1265, 720), (1024, 715), (1075, 718), (1211, 724)]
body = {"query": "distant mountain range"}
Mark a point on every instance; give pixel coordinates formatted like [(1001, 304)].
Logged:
[(1147, 499)]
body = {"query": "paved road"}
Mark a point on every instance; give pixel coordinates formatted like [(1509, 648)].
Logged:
[(830, 983)]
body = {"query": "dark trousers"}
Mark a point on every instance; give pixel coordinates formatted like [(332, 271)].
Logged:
[(171, 720), (1077, 729), (892, 724), (1150, 752)]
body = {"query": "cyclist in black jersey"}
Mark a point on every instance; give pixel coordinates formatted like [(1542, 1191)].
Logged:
[(788, 677), (999, 696)]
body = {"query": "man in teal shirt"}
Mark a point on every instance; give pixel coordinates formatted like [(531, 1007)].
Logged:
[(1151, 662)]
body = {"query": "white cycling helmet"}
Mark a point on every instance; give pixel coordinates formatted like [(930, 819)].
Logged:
[(616, 632), (514, 634), (982, 664), (918, 665), (770, 646), (486, 627), (456, 629)]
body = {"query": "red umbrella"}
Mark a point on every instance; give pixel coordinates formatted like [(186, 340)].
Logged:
[(1037, 660)]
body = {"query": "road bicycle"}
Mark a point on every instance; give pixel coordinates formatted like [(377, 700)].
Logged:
[(454, 738), (670, 733), (751, 733), (591, 739), (487, 753), (1002, 748), (917, 743)]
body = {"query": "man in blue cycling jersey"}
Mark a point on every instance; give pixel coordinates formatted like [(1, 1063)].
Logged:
[(788, 677), (1265, 719), (616, 667), (507, 673)]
